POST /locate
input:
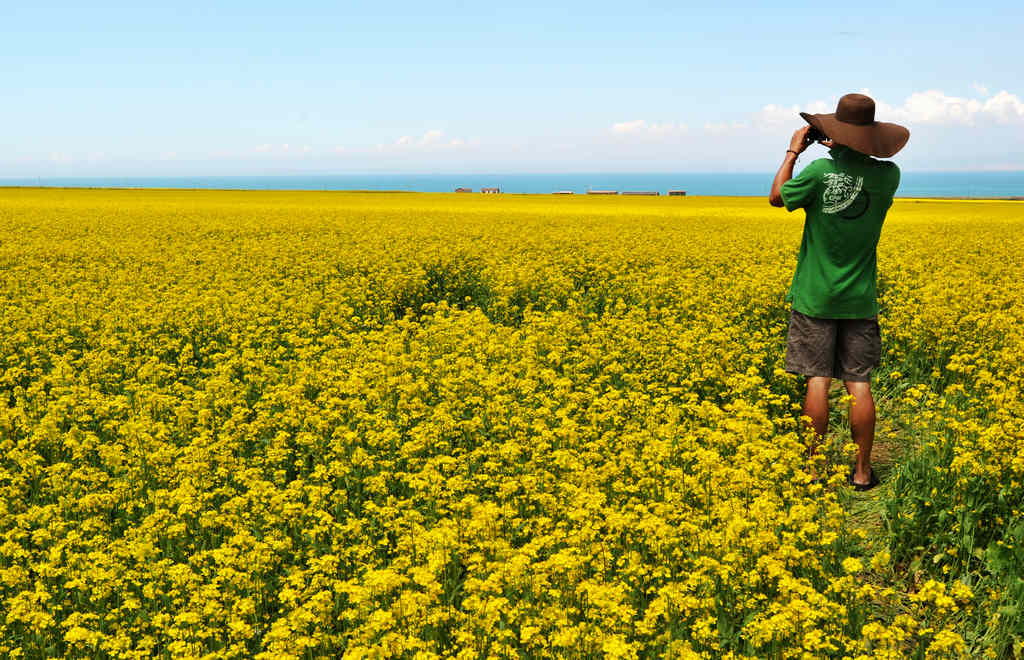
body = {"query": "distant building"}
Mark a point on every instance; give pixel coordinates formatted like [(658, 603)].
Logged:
[(641, 192), (562, 192), (602, 192), (463, 190), (677, 193), (490, 191)]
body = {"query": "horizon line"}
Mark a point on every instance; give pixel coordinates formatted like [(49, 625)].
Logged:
[(466, 174), (948, 198)]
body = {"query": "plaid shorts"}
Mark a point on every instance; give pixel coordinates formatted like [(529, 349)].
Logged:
[(835, 348)]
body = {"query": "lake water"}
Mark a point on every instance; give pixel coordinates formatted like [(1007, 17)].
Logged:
[(913, 184)]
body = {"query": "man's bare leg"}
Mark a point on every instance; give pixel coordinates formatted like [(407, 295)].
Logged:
[(816, 407), (862, 426)]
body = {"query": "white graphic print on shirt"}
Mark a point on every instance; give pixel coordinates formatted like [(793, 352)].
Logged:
[(840, 191)]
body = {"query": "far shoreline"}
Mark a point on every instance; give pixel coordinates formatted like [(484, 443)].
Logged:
[(940, 198)]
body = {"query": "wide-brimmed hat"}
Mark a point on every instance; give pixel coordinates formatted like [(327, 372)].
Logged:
[(853, 124)]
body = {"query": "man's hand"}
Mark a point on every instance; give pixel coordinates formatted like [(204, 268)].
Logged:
[(799, 141)]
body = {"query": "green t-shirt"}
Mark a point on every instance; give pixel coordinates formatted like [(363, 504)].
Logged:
[(846, 198)]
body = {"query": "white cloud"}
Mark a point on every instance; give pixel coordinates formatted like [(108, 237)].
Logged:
[(432, 139), (629, 126), (772, 116), (285, 149), (988, 128), (974, 129), (927, 107), (936, 107), (723, 127), (643, 128), (1004, 107), (932, 106)]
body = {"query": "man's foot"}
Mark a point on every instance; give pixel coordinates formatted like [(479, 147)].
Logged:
[(863, 485)]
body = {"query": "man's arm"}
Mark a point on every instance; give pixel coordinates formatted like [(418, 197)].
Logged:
[(785, 173)]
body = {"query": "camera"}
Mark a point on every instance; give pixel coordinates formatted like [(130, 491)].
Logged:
[(813, 135)]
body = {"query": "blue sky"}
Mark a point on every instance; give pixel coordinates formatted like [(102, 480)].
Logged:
[(189, 88)]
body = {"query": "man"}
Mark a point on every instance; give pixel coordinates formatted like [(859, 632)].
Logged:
[(833, 327)]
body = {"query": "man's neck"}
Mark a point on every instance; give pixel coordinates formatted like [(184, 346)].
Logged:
[(842, 151)]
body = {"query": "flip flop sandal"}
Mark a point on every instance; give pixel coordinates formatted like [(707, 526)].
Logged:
[(872, 482)]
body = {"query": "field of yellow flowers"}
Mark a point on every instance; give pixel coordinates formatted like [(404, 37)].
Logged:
[(309, 425)]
